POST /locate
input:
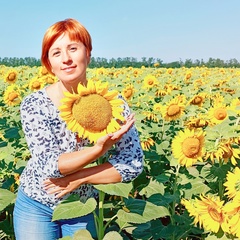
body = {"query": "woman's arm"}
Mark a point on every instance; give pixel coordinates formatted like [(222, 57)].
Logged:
[(101, 174), (72, 162)]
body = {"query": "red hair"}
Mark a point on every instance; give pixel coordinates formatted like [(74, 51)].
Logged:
[(76, 31)]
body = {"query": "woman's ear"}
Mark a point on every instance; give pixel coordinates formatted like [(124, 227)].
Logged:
[(88, 57)]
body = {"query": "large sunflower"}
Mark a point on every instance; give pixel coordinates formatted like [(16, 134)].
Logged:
[(198, 99), (217, 114), (233, 183), (174, 109), (11, 76), (188, 147), (36, 84), (150, 81), (12, 95), (208, 212), (128, 91), (93, 111), (232, 211)]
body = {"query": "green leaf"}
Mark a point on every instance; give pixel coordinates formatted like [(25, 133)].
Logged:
[(6, 198), (216, 237), (82, 234), (66, 238), (6, 152), (12, 133), (152, 188), (197, 187), (213, 172), (113, 235), (117, 189), (163, 200), (68, 209), (163, 178), (150, 212)]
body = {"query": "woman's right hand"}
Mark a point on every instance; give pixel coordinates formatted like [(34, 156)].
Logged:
[(106, 142)]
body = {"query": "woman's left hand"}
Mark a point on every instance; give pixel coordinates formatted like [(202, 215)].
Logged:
[(61, 186)]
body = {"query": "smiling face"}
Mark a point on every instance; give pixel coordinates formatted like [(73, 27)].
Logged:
[(69, 60)]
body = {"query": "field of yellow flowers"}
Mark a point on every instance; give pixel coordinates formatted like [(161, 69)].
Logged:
[(189, 126)]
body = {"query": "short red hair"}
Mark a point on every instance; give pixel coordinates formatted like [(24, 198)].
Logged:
[(76, 31)]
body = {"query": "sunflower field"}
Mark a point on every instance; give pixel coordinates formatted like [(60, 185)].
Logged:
[(188, 121)]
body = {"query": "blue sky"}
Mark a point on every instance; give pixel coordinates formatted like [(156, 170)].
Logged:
[(170, 30)]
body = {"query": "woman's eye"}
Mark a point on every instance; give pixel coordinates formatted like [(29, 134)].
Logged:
[(55, 54), (73, 49)]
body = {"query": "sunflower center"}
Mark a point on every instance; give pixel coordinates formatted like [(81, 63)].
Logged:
[(215, 215), (128, 93), (44, 71), (12, 96), (188, 76), (227, 154), (190, 147), (93, 112), (220, 113), (36, 85), (150, 82), (50, 80), (173, 110), (11, 76), (196, 100)]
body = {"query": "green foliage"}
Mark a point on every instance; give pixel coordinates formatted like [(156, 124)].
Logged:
[(97, 62), (73, 208), (119, 189), (6, 198), (149, 207)]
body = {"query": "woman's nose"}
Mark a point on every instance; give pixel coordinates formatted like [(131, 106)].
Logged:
[(66, 57)]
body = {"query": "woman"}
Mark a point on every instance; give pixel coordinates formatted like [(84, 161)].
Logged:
[(58, 157)]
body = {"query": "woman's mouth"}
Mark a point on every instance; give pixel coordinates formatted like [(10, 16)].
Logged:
[(68, 69)]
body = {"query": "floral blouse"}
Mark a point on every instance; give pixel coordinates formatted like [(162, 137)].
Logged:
[(47, 138)]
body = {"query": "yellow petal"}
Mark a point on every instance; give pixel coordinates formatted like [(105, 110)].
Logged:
[(116, 102), (111, 95), (119, 116), (101, 88), (91, 87)]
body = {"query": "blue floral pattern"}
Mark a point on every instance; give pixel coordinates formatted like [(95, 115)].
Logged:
[(48, 137)]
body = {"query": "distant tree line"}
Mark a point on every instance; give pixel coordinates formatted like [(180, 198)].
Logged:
[(97, 62)]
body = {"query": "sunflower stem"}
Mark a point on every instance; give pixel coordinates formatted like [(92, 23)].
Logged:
[(107, 224), (100, 225), (220, 183), (174, 202)]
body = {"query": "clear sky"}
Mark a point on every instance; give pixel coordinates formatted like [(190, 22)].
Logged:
[(170, 30)]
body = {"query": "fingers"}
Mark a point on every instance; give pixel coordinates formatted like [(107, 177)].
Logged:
[(52, 188), (130, 120), (47, 184)]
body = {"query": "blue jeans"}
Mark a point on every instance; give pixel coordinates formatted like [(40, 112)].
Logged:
[(33, 221)]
